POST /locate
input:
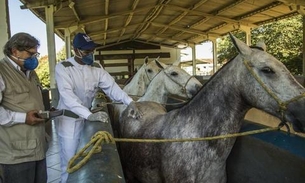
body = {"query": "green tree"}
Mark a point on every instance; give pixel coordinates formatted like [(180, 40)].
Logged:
[(43, 71), (282, 38), (61, 55), (225, 48)]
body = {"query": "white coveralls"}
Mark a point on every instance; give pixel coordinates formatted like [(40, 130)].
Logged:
[(77, 86)]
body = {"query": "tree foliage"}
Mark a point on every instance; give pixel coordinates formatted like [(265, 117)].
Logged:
[(43, 70), (284, 40)]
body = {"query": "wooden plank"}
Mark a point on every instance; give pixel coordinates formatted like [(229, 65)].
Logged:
[(119, 73), (117, 64), (131, 45), (136, 55)]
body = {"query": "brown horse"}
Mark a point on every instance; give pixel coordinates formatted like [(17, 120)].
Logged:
[(253, 78)]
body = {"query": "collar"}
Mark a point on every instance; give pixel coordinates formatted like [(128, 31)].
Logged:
[(17, 66)]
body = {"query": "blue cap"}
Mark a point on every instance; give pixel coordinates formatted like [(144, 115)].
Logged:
[(83, 42)]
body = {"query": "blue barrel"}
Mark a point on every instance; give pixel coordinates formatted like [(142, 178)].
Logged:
[(267, 157), (102, 167)]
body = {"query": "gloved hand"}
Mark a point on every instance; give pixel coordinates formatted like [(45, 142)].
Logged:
[(98, 116), (134, 111)]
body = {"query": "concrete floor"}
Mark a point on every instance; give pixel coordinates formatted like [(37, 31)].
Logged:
[(53, 158)]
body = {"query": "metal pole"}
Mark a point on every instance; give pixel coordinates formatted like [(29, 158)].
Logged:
[(303, 45), (51, 52), (4, 25)]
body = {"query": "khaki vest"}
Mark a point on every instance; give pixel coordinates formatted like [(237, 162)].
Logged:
[(21, 143)]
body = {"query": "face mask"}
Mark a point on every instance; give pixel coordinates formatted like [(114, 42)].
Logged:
[(30, 63), (88, 59)]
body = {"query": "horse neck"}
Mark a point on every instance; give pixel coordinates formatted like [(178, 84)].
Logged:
[(219, 103), (156, 90), (137, 86)]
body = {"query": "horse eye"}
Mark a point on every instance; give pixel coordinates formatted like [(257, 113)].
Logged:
[(149, 70), (267, 70), (174, 73)]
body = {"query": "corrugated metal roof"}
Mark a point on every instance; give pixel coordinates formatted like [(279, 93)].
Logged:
[(162, 22)]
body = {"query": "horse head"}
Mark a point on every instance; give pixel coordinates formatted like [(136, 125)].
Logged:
[(151, 68), (138, 84), (273, 88), (178, 81)]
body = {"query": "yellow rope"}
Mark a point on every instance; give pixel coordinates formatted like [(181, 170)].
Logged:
[(97, 139), (100, 95), (102, 136)]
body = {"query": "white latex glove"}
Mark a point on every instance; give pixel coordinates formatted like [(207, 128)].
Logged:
[(98, 116), (134, 111)]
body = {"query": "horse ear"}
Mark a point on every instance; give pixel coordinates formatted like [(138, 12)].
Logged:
[(177, 62), (262, 45), (146, 60), (158, 58), (159, 64), (241, 47)]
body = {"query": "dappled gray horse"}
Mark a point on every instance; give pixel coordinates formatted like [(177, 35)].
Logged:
[(253, 78)]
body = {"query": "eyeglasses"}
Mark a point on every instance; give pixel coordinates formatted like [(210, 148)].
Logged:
[(36, 54)]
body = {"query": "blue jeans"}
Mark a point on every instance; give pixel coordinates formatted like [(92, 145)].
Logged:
[(29, 172)]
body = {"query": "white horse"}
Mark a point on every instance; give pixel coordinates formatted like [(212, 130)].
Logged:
[(140, 81), (170, 80), (254, 78)]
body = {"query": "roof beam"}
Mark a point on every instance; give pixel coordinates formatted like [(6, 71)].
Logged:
[(96, 19), (228, 20), (259, 10), (170, 38), (110, 40), (179, 17), (35, 5), (128, 20), (293, 2), (106, 20), (154, 43), (153, 14), (191, 31), (71, 6), (207, 18), (117, 29)]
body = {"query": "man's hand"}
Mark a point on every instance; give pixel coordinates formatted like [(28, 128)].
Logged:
[(98, 116), (32, 118), (134, 111)]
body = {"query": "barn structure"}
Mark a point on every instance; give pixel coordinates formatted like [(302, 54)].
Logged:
[(129, 30)]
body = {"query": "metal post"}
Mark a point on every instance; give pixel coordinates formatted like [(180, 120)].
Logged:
[(214, 55), (303, 45), (51, 52), (4, 25), (194, 59)]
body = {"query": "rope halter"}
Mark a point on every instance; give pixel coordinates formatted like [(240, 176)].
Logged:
[(282, 104), (152, 77), (183, 87)]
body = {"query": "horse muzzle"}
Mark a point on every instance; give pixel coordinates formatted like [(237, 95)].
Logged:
[(295, 114)]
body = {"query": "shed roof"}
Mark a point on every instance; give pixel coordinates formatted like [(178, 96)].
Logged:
[(162, 22)]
